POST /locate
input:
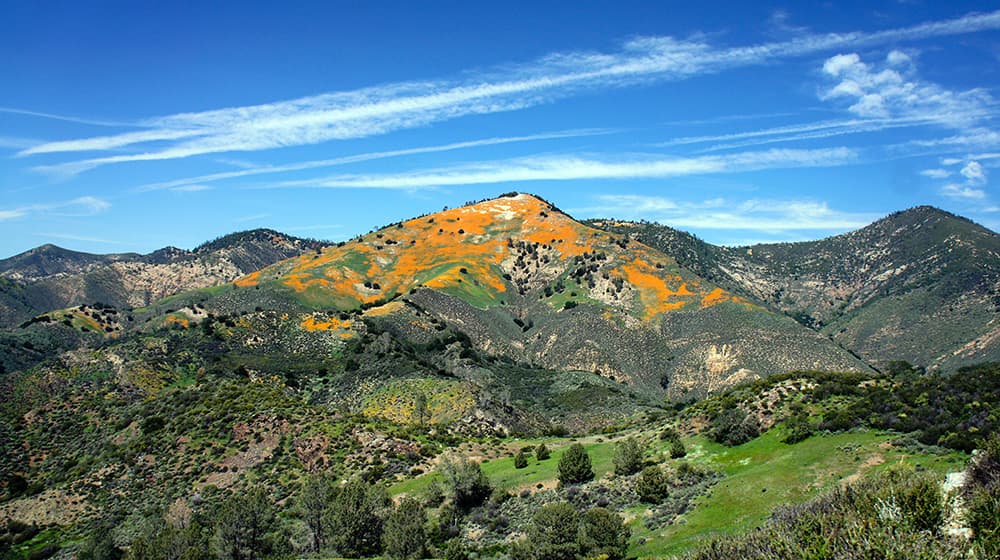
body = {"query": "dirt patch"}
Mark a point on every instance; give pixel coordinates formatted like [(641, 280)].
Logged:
[(52, 507), (872, 461)]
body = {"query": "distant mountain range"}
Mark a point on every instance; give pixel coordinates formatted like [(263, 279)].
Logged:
[(631, 302), (50, 277), (920, 285)]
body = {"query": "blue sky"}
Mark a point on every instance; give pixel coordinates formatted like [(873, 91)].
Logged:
[(128, 128)]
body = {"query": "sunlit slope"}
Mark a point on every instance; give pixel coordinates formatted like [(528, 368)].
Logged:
[(527, 282)]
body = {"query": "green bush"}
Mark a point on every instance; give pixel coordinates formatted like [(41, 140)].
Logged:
[(404, 535), (983, 517), (520, 461), (603, 534), (575, 466), (466, 482), (552, 533), (653, 486), (733, 427), (541, 452), (628, 457), (677, 449)]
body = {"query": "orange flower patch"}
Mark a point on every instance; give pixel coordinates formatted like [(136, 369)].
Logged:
[(311, 323)]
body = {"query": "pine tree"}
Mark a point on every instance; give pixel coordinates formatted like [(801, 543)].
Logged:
[(541, 452), (356, 519), (520, 461), (404, 531), (628, 457), (553, 531), (575, 466), (603, 534), (314, 503)]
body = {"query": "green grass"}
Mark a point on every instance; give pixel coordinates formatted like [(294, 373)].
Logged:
[(765, 473), (502, 473), (758, 477)]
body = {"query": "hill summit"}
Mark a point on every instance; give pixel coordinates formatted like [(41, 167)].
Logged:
[(527, 282)]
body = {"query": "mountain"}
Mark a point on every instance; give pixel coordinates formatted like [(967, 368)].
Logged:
[(527, 283), (50, 277), (920, 285)]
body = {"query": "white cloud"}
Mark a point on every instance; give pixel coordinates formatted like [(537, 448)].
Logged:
[(316, 164), (951, 161), (191, 188), (771, 216), (936, 173), (962, 192), (82, 206), (566, 168), (974, 173), (894, 91), (383, 109), (897, 58), (73, 237)]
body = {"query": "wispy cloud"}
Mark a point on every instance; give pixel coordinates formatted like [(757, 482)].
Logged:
[(370, 156), (191, 188), (383, 109), (82, 206), (962, 192), (78, 120), (763, 216), (88, 239), (936, 173), (974, 173), (566, 168), (250, 218)]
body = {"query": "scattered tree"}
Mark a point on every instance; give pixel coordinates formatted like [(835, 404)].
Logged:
[(466, 482), (242, 525), (652, 486), (520, 461), (575, 466), (677, 449), (542, 452), (553, 532), (314, 505), (356, 518), (603, 534), (628, 457), (404, 531)]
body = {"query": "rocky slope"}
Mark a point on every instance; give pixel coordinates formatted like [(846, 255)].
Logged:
[(920, 285), (50, 277), (528, 283)]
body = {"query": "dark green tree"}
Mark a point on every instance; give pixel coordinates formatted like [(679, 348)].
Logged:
[(628, 457), (404, 535), (603, 534), (420, 411), (677, 449), (542, 452), (575, 466), (653, 486), (520, 461), (242, 525), (465, 481), (356, 518), (455, 550), (314, 503), (553, 531)]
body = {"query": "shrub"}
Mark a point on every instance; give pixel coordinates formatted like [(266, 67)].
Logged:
[(541, 452), (466, 482), (628, 457), (552, 532), (575, 466), (983, 517), (603, 535), (733, 427), (653, 486), (520, 461), (798, 428), (404, 535), (677, 449), (455, 550), (356, 518)]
